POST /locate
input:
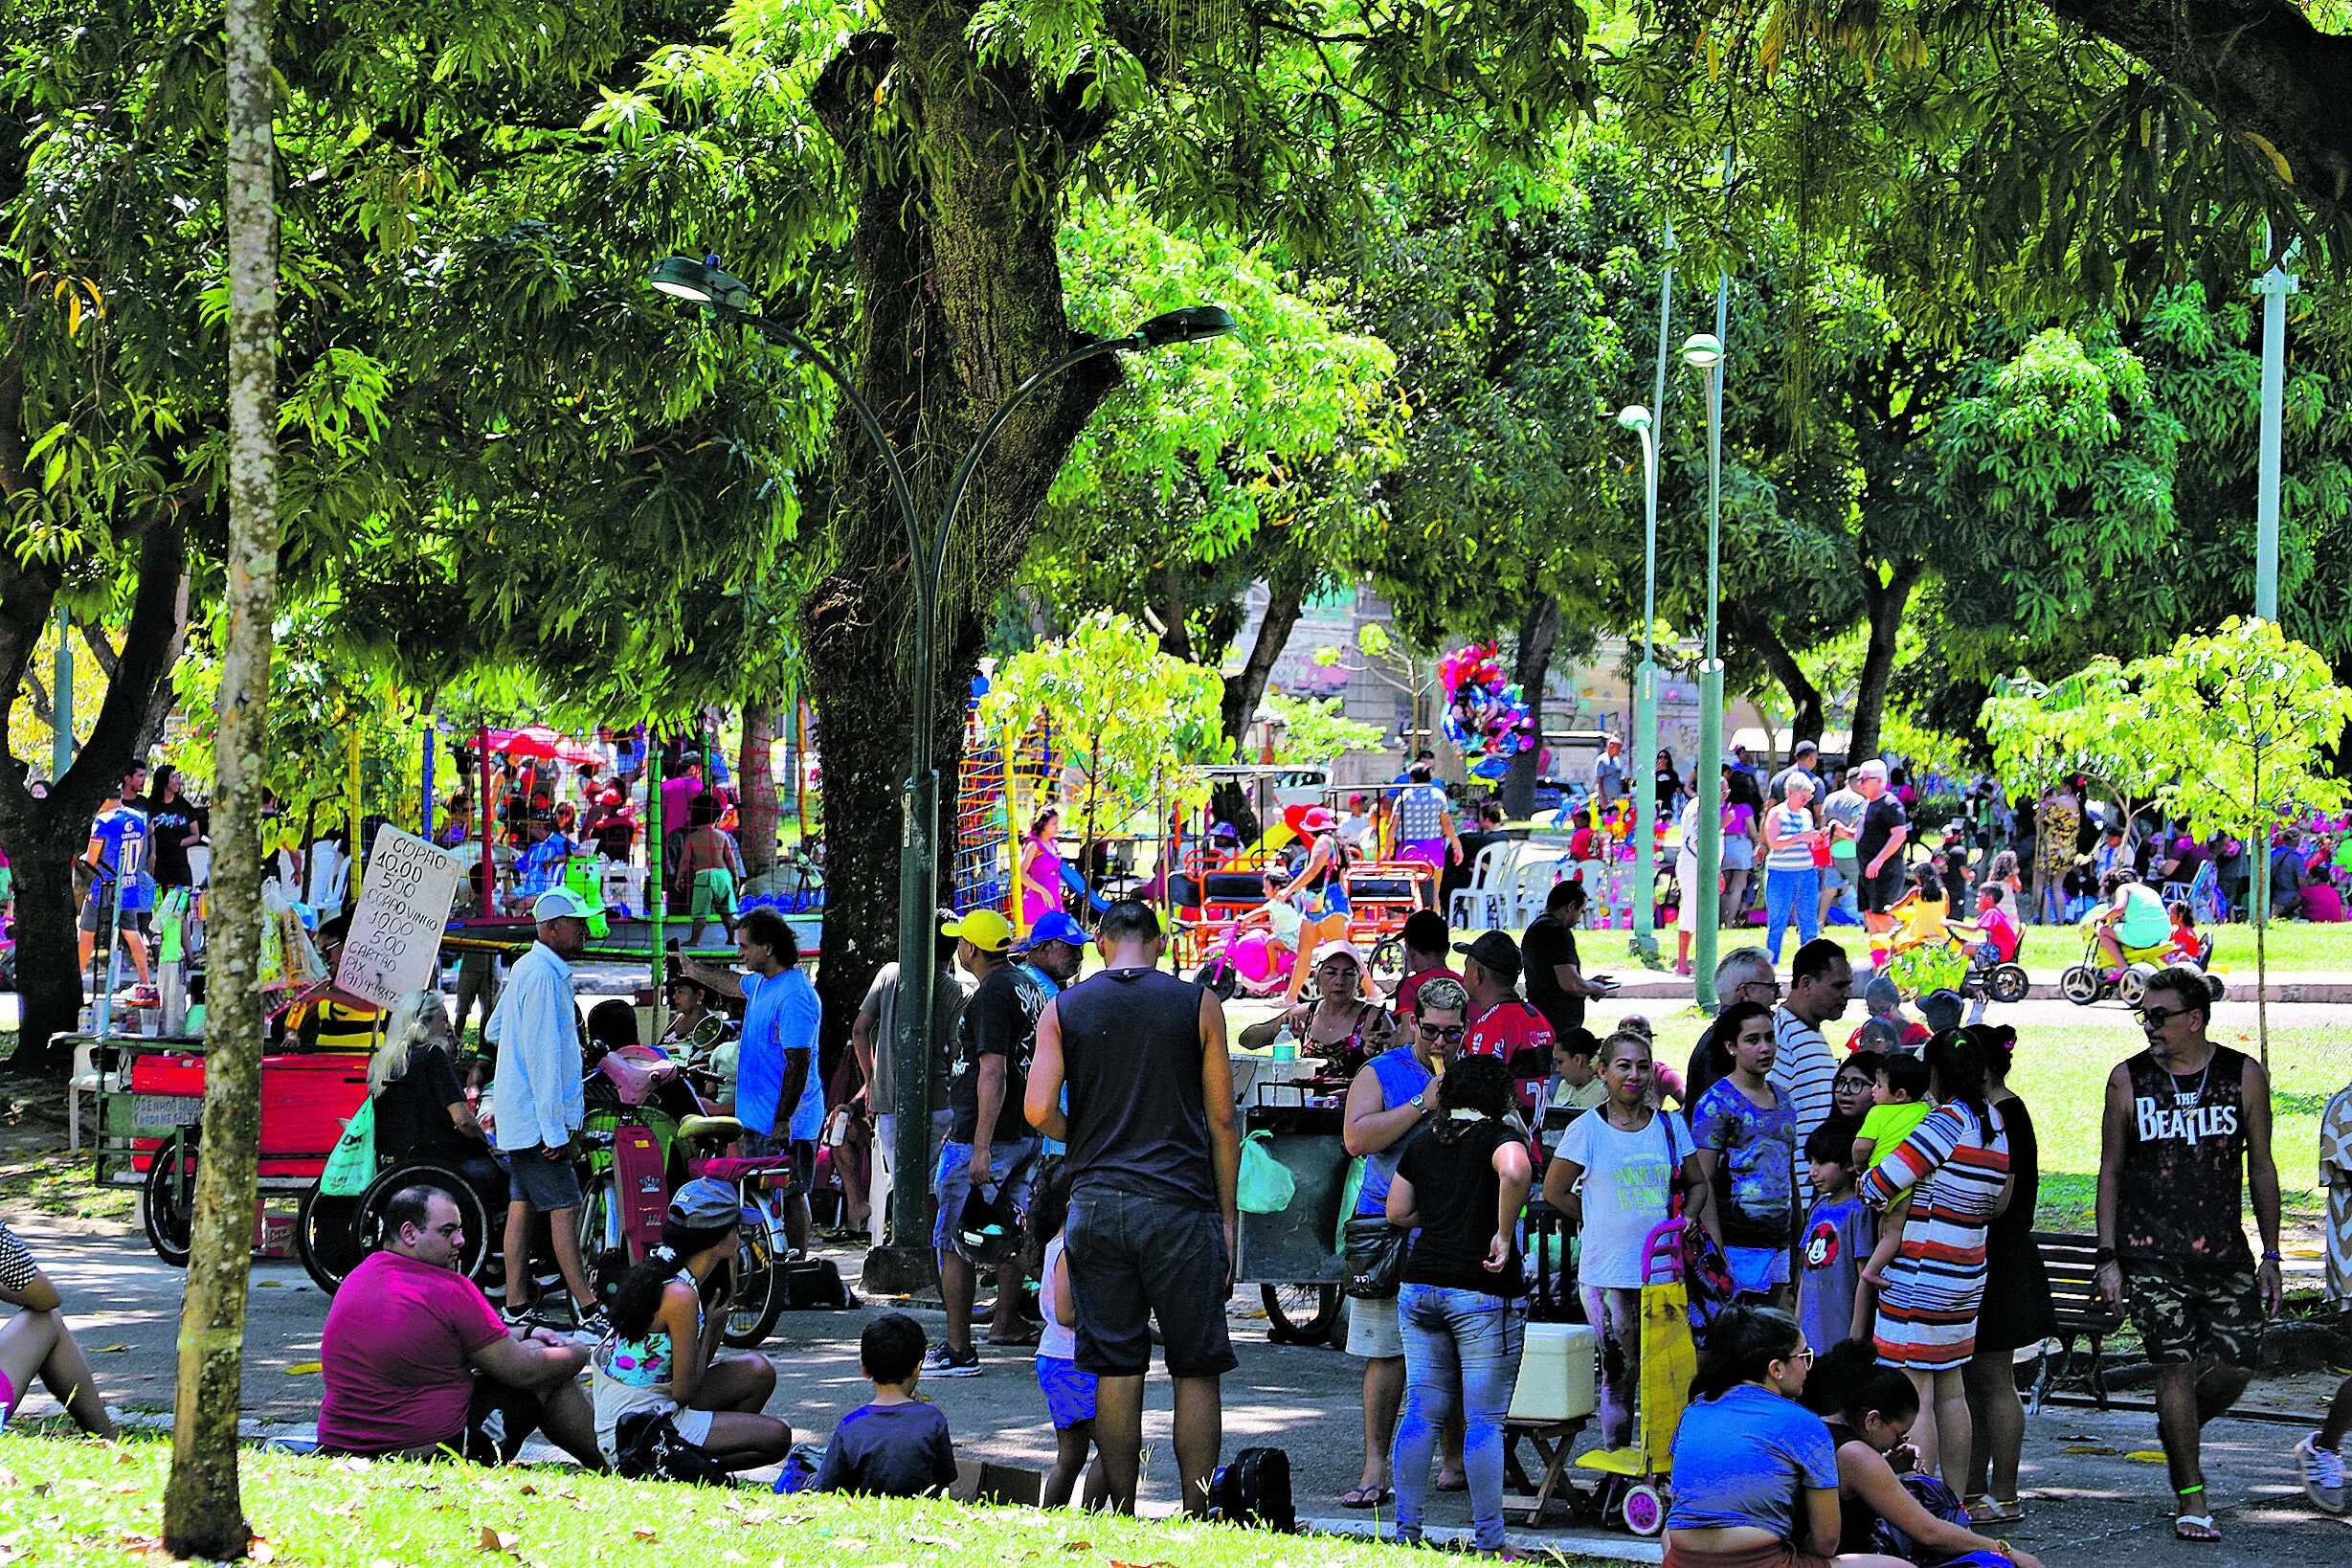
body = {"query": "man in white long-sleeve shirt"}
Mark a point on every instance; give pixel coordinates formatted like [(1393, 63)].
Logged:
[(538, 1104)]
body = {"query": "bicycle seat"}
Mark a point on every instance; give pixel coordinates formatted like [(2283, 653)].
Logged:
[(709, 1127), (732, 1168)]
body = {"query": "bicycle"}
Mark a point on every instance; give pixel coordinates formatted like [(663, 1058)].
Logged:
[(763, 1251)]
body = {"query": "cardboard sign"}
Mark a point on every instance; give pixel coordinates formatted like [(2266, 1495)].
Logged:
[(404, 903)]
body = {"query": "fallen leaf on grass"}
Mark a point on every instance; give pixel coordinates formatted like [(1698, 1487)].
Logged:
[(1077, 1546), (2088, 1448), (500, 1540), (1116, 1563), (933, 1540), (529, 1491), (646, 1532), (303, 1367)]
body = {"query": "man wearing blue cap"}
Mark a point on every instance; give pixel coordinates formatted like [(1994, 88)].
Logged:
[(1056, 952), (535, 1095)]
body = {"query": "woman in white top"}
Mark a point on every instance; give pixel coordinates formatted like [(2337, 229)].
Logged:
[(1792, 881), (1615, 1174), (1694, 904)]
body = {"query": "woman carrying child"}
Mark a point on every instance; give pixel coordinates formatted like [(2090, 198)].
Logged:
[(1955, 1167), (1869, 1408), (1616, 1175), (658, 1362)]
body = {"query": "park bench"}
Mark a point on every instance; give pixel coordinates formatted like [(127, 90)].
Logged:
[(2070, 1259)]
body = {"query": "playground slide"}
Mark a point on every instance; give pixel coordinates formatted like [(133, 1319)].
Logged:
[(1076, 883)]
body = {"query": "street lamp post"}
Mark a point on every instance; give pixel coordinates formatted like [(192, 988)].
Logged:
[(1638, 420), (728, 298), (1704, 353)]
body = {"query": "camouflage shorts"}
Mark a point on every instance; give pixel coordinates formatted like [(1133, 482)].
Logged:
[(2188, 1312)]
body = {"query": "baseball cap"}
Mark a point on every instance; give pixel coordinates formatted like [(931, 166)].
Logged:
[(986, 930), (1496, 952), (1941, 1010), (1054, 926), (1338, 947), (558, 905), (705, 1203)]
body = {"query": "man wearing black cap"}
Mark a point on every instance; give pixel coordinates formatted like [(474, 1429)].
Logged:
[(1501, 1025)]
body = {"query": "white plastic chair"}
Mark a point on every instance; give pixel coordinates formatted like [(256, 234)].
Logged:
[(1482, 903), (330, 874), (1532, 878)]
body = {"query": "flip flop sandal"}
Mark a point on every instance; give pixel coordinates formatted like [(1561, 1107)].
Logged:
[(1368, 1497), (1463, 1485), (1992, 1510), (2195, 1527), (1017, 1341)]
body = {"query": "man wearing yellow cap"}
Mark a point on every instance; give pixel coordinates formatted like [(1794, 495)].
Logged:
[(990, 1146)]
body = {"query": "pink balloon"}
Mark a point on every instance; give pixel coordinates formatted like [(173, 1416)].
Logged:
[(1543, 763), (1252, 959)]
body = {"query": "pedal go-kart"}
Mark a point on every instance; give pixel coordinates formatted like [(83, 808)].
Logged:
[(2091, 981)]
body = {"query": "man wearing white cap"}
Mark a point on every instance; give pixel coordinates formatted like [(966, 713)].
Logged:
[(539, 1109)]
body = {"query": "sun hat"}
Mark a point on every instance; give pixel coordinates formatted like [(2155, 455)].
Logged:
[(1338, 947), (1317, 819)]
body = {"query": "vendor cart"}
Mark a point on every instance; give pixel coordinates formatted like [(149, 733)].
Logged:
[(151, 1104), (1293, 1257)]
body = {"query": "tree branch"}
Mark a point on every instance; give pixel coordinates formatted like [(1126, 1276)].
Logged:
[(2258, 66)]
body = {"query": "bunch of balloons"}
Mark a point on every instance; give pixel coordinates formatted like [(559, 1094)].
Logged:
[(1485, 714)]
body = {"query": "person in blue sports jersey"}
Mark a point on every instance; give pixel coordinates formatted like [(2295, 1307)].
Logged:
[(117, 852)]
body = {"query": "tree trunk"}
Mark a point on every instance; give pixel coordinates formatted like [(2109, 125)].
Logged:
[(1538, 631), (1756, 633), (755, 773), (960, 280), (1244, 691), (203, 1514), (1885, 606)]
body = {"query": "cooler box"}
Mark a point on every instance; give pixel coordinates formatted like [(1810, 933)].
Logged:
[(305, 1100), (1557, 1373)]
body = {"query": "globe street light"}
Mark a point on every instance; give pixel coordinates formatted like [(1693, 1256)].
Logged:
[(702, 282), (1703, 353), (1637, 418)]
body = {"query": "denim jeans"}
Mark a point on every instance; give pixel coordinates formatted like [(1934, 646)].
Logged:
[(1461, 1354), (1799, 890)]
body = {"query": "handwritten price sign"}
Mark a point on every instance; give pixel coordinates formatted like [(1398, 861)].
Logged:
[(396, 931)]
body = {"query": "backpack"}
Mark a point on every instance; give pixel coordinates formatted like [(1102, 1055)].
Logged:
[(1254, 1490), (647, 1447)]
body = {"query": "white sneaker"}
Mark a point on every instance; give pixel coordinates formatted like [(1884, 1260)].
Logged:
[(2322, 1470)]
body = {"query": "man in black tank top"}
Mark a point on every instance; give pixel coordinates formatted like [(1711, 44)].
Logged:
[(2187, 1135), (1155, 1151)]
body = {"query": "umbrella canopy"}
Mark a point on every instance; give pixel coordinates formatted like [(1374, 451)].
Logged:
[(538, 741)]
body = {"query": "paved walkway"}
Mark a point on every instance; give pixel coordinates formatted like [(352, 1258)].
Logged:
[(2086, 1507)]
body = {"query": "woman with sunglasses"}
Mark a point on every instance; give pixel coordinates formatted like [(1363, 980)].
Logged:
[(1386, 1103)]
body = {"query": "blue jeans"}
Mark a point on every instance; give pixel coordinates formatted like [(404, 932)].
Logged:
[(1461, 1354), (1783, 890)]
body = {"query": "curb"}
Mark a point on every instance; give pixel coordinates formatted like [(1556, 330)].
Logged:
[(1585, 1543)]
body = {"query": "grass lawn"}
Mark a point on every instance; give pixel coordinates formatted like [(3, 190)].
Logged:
[(2061, 1073), (2296, 946), (67, 1502)]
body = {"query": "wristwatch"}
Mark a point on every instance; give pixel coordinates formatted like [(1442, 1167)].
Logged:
[(1420, 1101)]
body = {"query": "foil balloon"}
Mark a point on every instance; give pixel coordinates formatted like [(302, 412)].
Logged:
[(1485, 714)]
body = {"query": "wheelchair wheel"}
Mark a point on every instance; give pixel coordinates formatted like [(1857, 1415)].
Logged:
[(326, 1239), (2079, 984), (474, 1214), (168, 1203), (2216, 984), (2010, 983)]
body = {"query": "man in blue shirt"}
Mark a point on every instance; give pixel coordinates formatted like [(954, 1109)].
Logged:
[(779, 1098), (117, 852), (541, 867)]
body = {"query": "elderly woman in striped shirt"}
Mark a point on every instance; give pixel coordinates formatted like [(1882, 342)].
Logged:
[(1955, 1166)]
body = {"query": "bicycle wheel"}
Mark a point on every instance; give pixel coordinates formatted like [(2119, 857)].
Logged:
[(604, 1249), (759, 1291), (168, 1203), (1300, 1315), (326, 1239)]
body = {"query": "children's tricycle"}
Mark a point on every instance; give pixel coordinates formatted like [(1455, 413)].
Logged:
[(2091, 982)]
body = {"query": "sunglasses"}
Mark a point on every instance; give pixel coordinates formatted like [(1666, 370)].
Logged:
[(1770, 988), (1441, 1032), (2156, 1017)]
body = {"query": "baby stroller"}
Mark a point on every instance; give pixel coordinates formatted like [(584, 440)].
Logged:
[(1633, 1492)]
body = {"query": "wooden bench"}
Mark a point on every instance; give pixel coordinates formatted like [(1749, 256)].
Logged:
[(2082, 1312)]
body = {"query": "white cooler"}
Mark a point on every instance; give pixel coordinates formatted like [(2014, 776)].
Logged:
[(1557, 1373)]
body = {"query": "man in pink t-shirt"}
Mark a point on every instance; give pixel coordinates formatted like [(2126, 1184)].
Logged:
[(677, 793), (416, 1360)]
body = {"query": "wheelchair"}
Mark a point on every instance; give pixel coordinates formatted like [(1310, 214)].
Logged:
[(332, 1234)]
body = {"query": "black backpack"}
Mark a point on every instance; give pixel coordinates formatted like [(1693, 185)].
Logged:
[(1254, 1492), (649, 1447)]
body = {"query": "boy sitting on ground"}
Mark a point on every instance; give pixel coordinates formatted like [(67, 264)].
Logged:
[(895, 1445)]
